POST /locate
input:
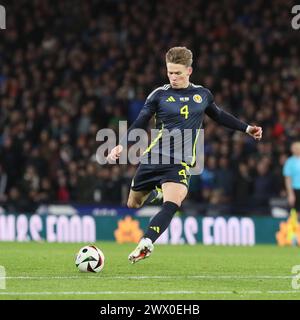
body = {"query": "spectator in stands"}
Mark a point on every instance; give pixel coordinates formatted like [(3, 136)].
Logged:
[(291, 172), (262, 185)]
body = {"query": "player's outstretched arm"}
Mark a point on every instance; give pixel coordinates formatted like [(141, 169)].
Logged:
[(228, 120)]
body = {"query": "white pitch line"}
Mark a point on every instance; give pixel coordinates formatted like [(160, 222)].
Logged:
[(239, 277), (147, 292), (288, 291), (230, 277)]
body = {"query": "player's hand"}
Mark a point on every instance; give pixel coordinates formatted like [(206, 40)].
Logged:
[(115, 153), (291, 199), (255, 132)]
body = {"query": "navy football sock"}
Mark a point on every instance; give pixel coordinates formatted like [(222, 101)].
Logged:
[(161, 221)]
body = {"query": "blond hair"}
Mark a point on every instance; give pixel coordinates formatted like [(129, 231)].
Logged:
[(180, 55)]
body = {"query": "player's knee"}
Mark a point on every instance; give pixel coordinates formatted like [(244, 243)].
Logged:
[(133, 204)]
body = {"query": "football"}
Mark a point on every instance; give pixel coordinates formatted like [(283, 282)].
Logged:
[(90, 259)]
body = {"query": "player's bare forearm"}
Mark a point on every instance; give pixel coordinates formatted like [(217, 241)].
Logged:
[(288, 185), (291, 197)]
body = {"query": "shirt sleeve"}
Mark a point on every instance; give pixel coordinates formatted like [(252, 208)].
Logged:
[(287, 168), (222, 117), (143, 118)]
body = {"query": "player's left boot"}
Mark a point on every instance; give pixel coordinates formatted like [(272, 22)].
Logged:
[(142, 251), (157, 196)]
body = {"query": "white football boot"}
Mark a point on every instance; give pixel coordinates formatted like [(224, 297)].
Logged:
[(142, 251)]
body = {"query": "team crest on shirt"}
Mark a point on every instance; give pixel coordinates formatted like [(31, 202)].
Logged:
[(197, 98)]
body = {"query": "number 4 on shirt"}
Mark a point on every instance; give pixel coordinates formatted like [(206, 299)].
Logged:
[(185, 111)]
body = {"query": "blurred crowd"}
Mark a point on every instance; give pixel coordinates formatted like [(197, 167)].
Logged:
[(70, 68)]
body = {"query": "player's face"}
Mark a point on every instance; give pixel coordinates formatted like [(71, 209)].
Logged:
[(178, 75), (296, 149)]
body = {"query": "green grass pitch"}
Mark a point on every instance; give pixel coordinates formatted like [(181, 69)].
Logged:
[(179, 272)]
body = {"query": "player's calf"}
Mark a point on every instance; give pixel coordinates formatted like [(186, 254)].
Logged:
[(161, 220)]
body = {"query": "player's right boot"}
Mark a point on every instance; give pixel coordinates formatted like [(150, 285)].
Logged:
[(142, 251)]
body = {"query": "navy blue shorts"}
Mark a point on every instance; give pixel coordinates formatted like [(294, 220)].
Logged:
[(149, 176)]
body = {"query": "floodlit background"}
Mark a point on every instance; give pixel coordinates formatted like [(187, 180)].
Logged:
[(71, 68)]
